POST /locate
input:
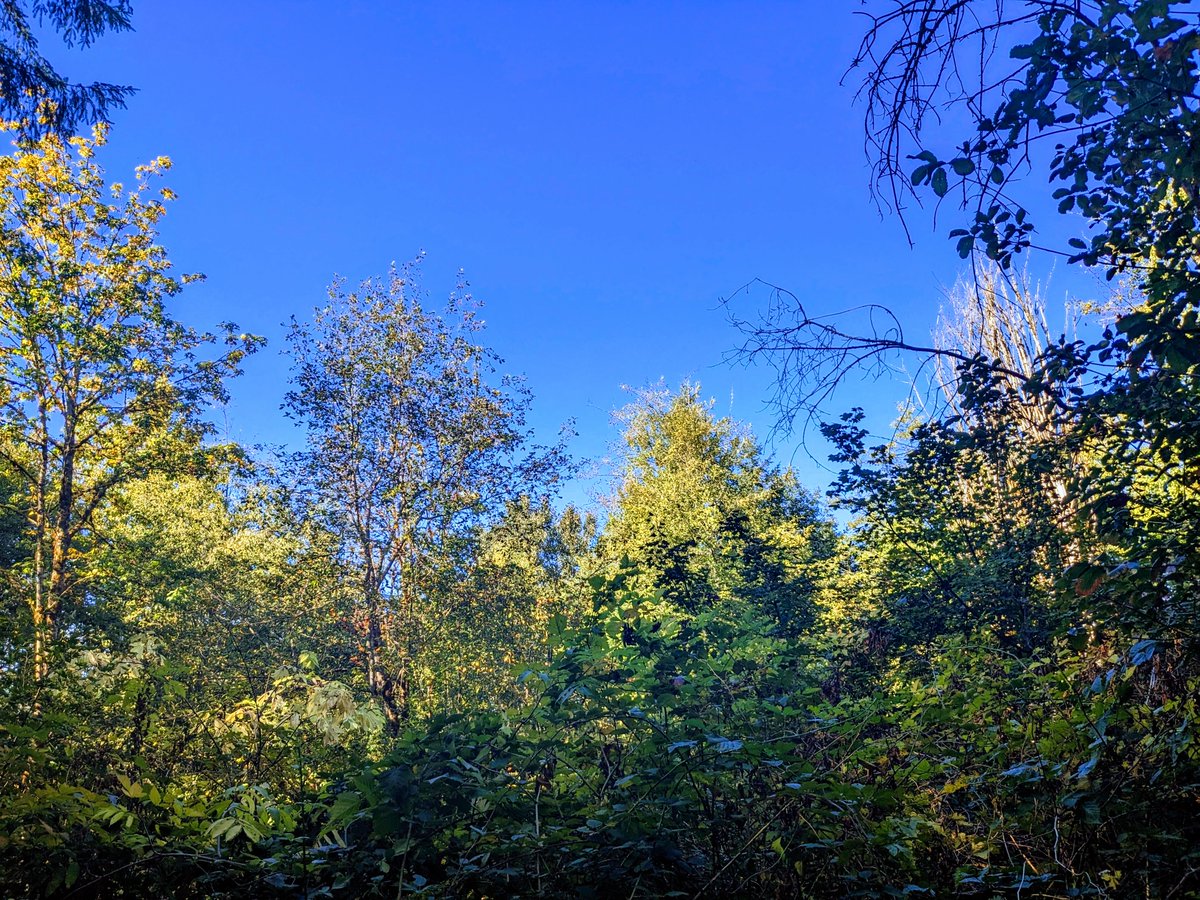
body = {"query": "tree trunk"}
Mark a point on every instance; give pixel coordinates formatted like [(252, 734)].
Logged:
[(380, 682), (48, 598), (44, 625), (60, 547)]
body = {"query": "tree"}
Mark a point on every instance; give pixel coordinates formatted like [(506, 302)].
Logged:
[(1002, 319), (216, 576), (705, 517), (1111, 83), (414, 443), (1114, 87), (526, 583), (31, 90), (100, 385), (1101, 96)]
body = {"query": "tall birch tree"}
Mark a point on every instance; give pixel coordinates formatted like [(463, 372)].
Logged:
[(415, 442)]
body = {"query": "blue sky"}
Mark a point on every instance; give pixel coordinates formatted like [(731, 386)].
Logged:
[(604, 172)]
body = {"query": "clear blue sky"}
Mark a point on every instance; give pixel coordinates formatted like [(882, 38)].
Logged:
[(604, 172)]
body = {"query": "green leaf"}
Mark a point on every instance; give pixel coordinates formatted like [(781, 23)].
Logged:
[(1142, 651), (940, 183)]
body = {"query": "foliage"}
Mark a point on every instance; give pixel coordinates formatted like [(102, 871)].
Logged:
[(1115, 85), (414, 443), (1111, 83), (100, 383), (706, 517), (30, 88), (666, 758), (526, 583), (396, 667)]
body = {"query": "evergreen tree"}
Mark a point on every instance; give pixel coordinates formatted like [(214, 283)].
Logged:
[(705, 517)]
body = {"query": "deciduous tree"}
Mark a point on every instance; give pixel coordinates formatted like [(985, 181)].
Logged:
[(414, 442), (100, 384)]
